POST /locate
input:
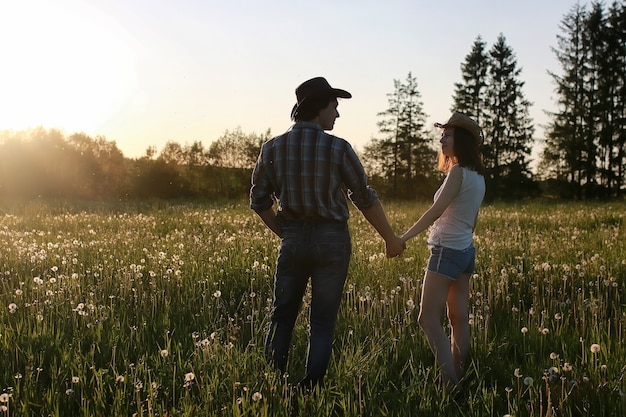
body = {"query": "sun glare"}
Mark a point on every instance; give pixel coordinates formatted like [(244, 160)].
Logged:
[(65, 65)]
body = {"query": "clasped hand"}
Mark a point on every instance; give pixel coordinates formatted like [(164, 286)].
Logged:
[(394, 247)]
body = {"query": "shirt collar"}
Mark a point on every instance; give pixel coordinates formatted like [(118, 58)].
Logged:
[(310, 125)]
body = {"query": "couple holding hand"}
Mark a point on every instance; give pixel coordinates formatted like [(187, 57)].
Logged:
[(306, 172)]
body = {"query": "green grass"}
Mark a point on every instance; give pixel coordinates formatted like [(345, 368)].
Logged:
[(160, 310)]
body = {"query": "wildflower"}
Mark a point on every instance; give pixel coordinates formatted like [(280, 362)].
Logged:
[(517, 373), (257, 396), (18, 292), (528, 381), (119, 379), (553, 374), (12, 308), (545, 331), (3, 408), (164, 353), (410, 304), (524, 330), (217, 294), (4, 398), (553, 356), (595, 348), (190, 379), (567, 367), (75, 380)]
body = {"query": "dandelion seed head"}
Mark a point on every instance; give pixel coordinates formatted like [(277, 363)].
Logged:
[(528, 381), (524, 330), (164, 353), (257, 396), (595, 348), (12, 308)]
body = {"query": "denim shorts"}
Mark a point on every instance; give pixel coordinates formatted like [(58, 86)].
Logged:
[(452, 263)]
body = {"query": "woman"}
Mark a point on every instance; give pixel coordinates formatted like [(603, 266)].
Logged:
[(453, 217)]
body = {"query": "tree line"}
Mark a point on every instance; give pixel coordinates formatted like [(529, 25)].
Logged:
[(41, 163), (583, 156)]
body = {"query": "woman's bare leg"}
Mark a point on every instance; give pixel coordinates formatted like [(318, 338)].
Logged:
[(458, 315), (435, 291)]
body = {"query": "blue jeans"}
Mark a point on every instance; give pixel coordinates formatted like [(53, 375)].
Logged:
[(320, 251)]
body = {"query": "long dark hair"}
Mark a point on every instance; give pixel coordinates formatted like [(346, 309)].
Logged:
[(466, 152)]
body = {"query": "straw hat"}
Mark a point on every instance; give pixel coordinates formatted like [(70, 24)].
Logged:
[(462, 120)]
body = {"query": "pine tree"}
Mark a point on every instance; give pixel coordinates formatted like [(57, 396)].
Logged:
[(508, 128), (404, 153), (469, 96), (563, 152), (612, 99), (586, 138)]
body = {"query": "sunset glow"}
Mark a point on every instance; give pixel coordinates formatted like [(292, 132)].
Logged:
[(145, 72), (69, 68)]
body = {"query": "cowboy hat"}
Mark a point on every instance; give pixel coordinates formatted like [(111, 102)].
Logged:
[(462, 120), (315, 87)]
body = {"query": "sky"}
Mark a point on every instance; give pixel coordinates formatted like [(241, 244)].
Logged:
[(145, 72)]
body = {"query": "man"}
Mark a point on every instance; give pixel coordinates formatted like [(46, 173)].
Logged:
[(306, 171)]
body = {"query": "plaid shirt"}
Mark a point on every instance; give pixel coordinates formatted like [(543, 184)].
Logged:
[(308, 172)]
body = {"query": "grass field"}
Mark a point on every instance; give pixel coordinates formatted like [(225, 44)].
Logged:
[(160, 310)]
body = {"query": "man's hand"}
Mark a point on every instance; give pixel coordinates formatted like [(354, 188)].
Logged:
[(394, 247)]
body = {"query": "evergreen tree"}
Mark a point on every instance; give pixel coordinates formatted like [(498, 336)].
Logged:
[(469, 96), (586, 140), (405, 153), (508, 128), (612, 99), (563, 152)]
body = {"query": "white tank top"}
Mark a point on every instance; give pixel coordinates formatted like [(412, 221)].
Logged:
[(454, 229)]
